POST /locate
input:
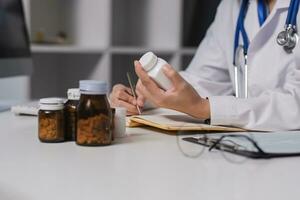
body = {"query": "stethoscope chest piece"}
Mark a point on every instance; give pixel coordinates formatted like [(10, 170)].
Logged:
[(288, 39)]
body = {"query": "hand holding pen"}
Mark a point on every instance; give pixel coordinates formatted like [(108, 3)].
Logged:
[(133, 91), (122, 96)]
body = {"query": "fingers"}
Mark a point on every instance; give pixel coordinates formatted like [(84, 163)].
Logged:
[(145, 94), (140, 97), (141, 100), (130, 113), (142, 74), (120, 92), (121, 87), (131, 109), (121, 97), (173, 75), (147, 82)]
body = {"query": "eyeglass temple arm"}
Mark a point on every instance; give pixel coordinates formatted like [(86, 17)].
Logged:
[(245, 136)]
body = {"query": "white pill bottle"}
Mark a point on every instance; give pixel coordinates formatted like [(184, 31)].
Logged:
[(154, 67)]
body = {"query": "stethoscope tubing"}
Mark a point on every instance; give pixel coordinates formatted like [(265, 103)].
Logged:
[(262, 10), (291, 22), (240, 29), (289, 16), (295, 13)]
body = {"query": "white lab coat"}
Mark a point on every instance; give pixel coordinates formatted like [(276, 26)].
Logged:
[(274, 75)]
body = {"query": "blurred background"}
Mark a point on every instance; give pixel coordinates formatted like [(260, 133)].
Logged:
[(72, 40)]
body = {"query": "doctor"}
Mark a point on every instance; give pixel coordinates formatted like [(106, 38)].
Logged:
[(243, 74)]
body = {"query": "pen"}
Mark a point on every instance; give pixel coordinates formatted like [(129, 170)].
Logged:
[(133, 91)]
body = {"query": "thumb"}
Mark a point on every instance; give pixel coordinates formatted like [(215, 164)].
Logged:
[(172, 74), (141, 100)]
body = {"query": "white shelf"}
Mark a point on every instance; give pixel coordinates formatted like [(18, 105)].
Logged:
[(105, 37), (126, 50), (145, 23), (65, 49), (140, 50)]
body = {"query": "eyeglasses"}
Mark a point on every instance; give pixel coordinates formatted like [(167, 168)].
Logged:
[(235, 148)]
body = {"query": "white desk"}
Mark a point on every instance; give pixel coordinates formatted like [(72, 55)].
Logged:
[(145, 165)]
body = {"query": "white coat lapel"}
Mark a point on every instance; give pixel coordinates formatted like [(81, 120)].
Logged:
[(274, 23)]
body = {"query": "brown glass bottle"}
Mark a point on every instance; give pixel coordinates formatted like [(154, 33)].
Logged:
[(51, 120), (71, 119), (113, 112), (71, 114), (94, 115)]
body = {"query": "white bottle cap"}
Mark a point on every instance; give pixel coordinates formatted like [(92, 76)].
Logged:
[(93, 87), (51, 104), (73, 93), (148, 60)]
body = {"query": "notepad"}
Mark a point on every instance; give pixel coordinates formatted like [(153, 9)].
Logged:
[(175, 122)]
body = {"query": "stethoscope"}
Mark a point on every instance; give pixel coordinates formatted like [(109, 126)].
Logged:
[(288, 39)]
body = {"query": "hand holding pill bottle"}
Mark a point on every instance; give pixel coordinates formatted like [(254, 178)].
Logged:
[(154, 68)]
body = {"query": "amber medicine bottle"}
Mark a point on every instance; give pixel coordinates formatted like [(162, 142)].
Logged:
[(71, 113), (51, 120), (94, 115)]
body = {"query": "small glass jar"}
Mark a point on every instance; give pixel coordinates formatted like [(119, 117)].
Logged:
[(51, 120), (71, 114), (94, 115)]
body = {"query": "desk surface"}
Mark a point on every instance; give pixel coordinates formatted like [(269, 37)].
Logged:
[(144, 165)]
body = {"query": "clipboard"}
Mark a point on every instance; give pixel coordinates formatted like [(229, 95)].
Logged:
[(260, 145)]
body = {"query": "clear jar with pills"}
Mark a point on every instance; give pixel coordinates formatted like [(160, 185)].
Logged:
[(51, 120), (71, 113), (94, 115)]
